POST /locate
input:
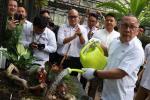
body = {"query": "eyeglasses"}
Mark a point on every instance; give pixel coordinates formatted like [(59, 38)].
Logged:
[(131, 27), (71, 17)]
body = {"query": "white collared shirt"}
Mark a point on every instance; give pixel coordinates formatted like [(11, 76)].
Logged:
[(105, 37), (127, 57), (48, 38), (145, 82), (67, 31)]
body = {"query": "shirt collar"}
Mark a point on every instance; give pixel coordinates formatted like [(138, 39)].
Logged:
[(130, 42), (94, 28), (109, 32)]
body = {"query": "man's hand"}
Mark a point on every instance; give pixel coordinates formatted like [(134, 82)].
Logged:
[(78, 32), (11, 24), (88, 73), (33, 45)]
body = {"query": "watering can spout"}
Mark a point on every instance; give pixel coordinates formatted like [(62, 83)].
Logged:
[(74, 70)]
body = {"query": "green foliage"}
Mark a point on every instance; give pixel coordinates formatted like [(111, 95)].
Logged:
[(21, 58), (74, 86), (41, 3), (114, 6), (137, 8), (12, 37)]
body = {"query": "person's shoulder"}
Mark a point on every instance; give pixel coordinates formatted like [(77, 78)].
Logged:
[(63, 26), (47, 30), (101, 30), (85, 26), (136, 43), (28, 22), (148, 45), (116, 32), (82, 28)]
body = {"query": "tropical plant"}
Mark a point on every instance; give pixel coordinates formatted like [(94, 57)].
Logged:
[(138, 8), (21, 58)]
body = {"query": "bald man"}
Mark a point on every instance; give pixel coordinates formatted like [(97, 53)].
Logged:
[(125, 56), (71, 37)]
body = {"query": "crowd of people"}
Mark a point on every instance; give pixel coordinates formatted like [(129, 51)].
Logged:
[(48, 42)]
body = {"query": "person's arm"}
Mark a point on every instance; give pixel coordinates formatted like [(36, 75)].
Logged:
[(79, 34), (61, 38), (115, 73), (52, 45), (68, 39)]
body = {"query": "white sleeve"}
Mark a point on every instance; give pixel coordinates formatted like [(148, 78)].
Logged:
[(60, 35), (52, 45), (133, 60)]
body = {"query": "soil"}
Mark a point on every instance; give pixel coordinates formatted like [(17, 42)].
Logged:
[(11, 90)]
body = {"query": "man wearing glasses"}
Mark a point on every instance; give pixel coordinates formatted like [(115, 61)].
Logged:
[(71, 38), (125, 56)]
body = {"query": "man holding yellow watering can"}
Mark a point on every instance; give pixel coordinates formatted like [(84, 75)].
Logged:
[(94, 56), (126, 55)]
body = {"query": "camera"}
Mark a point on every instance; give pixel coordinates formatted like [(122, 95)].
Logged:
[(41, 46), (18, 17)]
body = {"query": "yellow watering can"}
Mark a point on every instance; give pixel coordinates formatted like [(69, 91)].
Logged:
[(92, 56)]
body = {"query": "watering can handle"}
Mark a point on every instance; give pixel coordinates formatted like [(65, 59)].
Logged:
[(86, 48), (75, 70)]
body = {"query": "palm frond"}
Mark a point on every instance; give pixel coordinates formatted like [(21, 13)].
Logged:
[(112, 5), (140, 6), (133, 6)]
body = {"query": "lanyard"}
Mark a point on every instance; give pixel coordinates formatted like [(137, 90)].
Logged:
[(34, 38)]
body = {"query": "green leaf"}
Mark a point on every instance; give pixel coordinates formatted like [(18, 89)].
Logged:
[(21, 50), (138, 6)]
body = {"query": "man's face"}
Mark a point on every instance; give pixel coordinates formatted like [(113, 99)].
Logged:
[(110, 23), (38, 30), (92, 21), (128, 28), (12, 7), (73, 18), (22, 11), (46, 15)]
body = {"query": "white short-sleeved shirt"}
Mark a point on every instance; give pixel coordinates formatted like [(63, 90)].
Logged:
[(67, 31), (48, 38), (127, 57), (105, 37), (145, 82)]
